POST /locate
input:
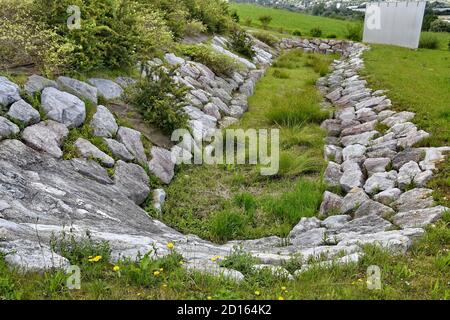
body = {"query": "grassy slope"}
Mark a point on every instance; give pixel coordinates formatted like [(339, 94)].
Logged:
[(224, 202), (417, 81), (291, 21)]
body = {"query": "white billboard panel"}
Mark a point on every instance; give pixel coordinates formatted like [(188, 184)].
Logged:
[(396, 23)]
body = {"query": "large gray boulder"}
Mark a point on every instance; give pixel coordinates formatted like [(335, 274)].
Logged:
[(132, 140), (63, 107), (107, 89), (78, 88), (24, 112), (7, 128), (87, 150), (388, 196), (132, 180), (46, 136), (103, 123), (36, 84), (407, 174), (9, 92), (161, 164)]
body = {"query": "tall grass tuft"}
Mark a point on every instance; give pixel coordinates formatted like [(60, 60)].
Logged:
[(297, 108), (428, 41)]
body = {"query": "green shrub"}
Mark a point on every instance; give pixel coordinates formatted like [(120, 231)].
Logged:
[(354, 32), (332, 36), (267, 38), (25, 40), (113, 34), (440, 26), (226, 225), (160, 100), (316, 32), (219, 63), (235, 16), (297, 33), (265, 20), (241, 43), (428, 41)]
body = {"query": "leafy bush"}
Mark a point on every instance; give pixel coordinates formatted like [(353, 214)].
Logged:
[(214, 14), (241, 43), (267, 38), (113, 33), (440, 26), (227, 225), (219, 63), (23, 40), (332, 36), (316, 32), (297, 33), (428, 41), (354, 32), (160, 100), (235, 16), (265, 20)]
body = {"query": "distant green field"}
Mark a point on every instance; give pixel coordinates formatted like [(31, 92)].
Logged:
[(291, 21)]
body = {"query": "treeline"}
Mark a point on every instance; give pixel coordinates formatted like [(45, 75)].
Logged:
[(110, 34)]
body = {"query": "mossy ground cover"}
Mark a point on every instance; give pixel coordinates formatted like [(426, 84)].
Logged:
[(224, 202)]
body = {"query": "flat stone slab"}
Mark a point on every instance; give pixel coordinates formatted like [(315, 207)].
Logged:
[(78, 88), (88, 150), (132, 180), (419, 218), (46, 136), (107, 89)]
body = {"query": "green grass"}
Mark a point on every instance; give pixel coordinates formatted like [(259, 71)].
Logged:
[(422, 273), (288, 21), (227, 202), (418, 81)]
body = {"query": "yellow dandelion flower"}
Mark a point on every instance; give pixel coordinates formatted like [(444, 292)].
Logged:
[(116, 269), (209, 298), (162, 269), (181, 262), (280, 298), (283, 289), (156, 273), (95, 259), (170, 245), (257, 293), (164, 285)]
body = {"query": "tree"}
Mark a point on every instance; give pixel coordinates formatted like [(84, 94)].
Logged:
[(265, 20)]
